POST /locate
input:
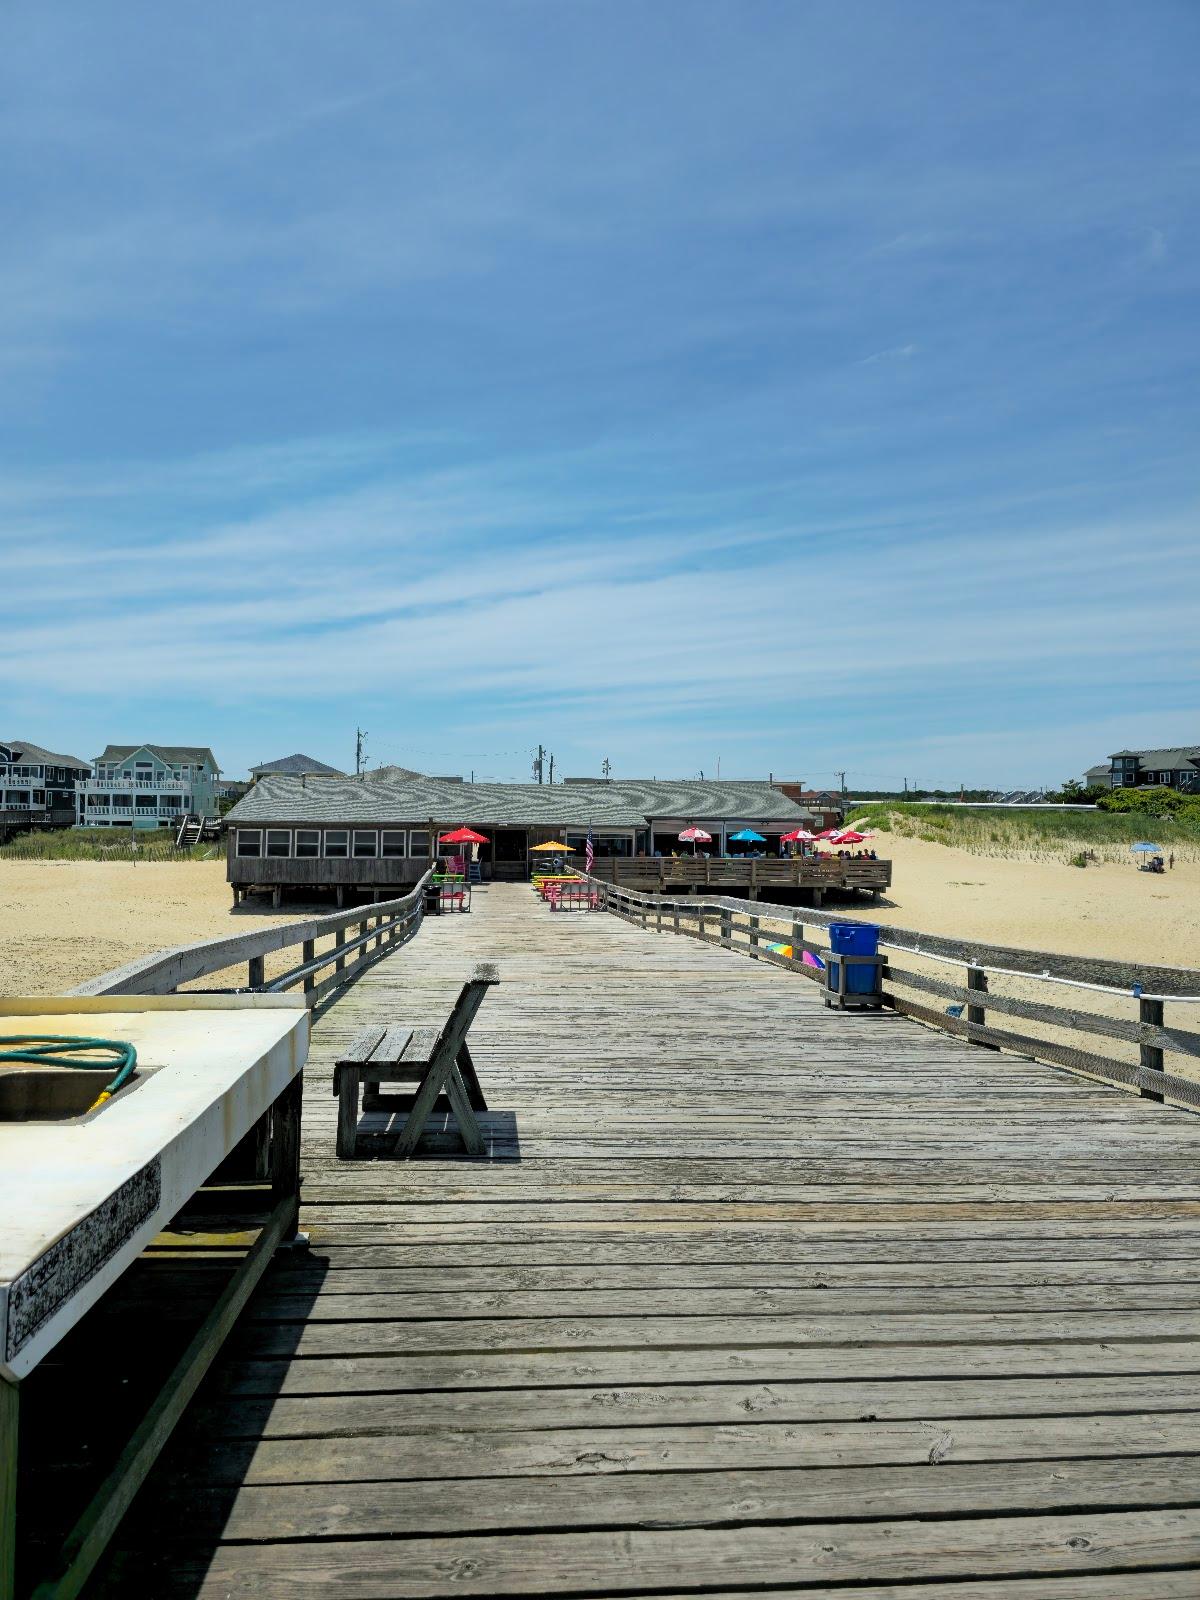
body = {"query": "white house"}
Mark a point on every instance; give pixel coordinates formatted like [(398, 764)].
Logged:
[(148, 786)]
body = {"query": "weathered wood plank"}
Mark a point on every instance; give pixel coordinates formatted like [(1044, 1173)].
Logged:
[(750, 1296), (633, 1559)]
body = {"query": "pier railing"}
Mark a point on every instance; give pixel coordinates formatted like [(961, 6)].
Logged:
[(374, 930), (1103, 1018)]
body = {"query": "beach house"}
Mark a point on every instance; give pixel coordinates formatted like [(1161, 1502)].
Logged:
[(37, 787), (148, 786), (1177, 768)]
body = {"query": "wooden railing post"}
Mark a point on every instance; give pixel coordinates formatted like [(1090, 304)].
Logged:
[(754, 938), (700, 920), (339, 940), (727, 927), (977, 981), (257, 972), (797, 941), (658, 915), (1150, 1013), (308, 950), (675, 916)]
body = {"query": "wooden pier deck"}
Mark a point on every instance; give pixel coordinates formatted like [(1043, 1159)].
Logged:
[(753, 1297)]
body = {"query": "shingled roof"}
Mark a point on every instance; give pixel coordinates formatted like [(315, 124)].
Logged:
[(174, 755), (382, 799), (26, 752), (295, 765)]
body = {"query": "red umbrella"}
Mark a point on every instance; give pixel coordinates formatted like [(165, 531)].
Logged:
[(848, 836), (796, 833), (695, 836), (461, 836)]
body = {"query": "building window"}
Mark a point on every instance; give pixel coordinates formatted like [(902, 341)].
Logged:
[(1164, 777), (147, 802), (365, 843), (249, 842), (279, 842), (392, 844), (308, 842), (337, 843), (418, 844)]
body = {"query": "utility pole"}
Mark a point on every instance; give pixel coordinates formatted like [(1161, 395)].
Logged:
[(606, 766), (551, 769), (360, 738), (539, 757), (842, 778), (906, 788)]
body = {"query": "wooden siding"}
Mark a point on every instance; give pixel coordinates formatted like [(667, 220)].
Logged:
[(751, 1296), (317, 872)]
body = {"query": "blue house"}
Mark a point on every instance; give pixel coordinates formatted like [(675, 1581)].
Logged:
[(148, 786)]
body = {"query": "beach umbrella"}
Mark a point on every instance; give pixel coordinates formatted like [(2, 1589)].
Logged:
[(796, 835), (847, 836), (555, 845), (695, 836), (1144, 847), (747, 836), (461, 836)]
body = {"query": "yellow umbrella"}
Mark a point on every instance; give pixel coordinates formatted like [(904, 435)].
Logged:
[(555, 845)]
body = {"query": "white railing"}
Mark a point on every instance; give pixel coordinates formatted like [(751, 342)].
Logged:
[(128, 785), (125, 813)]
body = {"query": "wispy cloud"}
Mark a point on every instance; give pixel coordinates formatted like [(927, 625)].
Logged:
[(364, 368)]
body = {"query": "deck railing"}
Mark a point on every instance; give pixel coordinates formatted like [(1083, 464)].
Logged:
[(960, 1004), (379, 928)]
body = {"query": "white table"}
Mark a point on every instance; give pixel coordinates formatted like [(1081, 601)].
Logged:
[(80, 1199)]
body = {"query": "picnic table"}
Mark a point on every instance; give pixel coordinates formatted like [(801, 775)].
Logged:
[(574, 896)]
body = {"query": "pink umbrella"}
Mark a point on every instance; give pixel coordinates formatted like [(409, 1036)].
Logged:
[(695, 836)]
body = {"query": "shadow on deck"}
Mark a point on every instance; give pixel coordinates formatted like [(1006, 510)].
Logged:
[(775, 1298)]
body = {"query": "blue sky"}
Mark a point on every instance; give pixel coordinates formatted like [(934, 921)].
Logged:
[(804, 387)]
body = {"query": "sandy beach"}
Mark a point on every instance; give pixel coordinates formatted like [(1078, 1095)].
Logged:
[(62, 922), (1104, 909)]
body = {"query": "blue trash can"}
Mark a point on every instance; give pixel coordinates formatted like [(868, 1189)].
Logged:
[(854, 939)]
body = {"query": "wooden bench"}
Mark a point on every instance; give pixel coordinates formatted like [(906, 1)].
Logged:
[(435, 1059)]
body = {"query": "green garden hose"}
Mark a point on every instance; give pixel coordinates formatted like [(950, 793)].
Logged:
[(54, 1050)]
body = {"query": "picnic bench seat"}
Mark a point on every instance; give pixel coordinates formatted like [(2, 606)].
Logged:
[(434, 1059)]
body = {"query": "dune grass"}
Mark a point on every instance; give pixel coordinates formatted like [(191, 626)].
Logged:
[(105, 844), (1050, 835)]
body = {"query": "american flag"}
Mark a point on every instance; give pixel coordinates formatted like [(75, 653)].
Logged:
[(589, 856)]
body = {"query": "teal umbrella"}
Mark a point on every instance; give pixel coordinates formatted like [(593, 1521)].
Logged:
[(1145, 848), (748, 836)]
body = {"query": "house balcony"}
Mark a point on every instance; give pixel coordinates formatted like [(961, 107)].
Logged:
[(132, 785)]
